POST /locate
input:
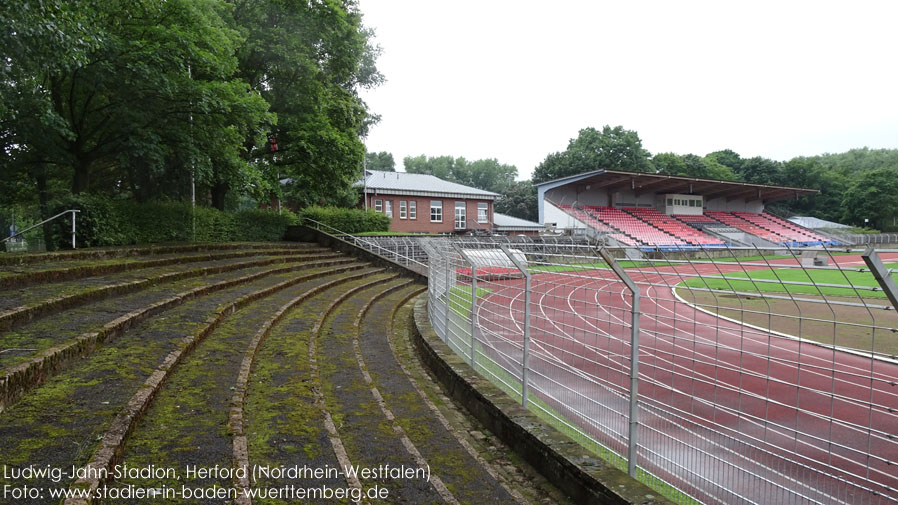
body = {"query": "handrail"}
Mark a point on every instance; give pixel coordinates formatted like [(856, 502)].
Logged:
[(371, 245), (73, 211)]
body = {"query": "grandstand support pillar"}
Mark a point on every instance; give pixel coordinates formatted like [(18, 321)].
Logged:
[(473, 301), (634, 359), (881, 273), (525, 360)]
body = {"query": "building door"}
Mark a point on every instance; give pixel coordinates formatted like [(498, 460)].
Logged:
[(460, 215)]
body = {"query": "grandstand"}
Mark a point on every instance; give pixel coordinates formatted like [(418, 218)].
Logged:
[(653, 211)]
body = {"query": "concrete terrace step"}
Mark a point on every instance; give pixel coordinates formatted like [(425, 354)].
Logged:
[(23, 305), (52, 348), (59, 257), (59, 424), (188, 419), (270, 358), (12, 277), (462, 473)]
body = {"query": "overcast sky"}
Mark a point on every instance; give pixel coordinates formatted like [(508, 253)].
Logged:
[(515, 80)]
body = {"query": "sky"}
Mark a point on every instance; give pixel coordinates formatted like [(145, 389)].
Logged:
[(516, 80)]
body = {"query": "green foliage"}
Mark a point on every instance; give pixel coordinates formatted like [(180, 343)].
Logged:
[(487, 174), (691, 165), (348, 220), (760, 170), (103, 222), (519, 200), (382, 161), (141, 100), (609, 149), (308, 60), (873, 195)]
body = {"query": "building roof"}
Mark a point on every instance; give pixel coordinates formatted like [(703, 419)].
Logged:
[(404, 183), (616, 180), (814, 223), (501, 222)]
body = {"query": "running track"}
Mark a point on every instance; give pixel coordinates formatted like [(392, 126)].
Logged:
[(729, 414)]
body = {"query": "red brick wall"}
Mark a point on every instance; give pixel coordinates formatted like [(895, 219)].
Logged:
[(422, 223)]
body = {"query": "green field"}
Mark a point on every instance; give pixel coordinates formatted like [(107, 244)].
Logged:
[(460, 299), (734, 282)]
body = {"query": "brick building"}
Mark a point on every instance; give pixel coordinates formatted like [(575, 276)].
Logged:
[(421, 203)]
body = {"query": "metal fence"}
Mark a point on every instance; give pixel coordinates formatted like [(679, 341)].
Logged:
[(714, 376), (863, 239)]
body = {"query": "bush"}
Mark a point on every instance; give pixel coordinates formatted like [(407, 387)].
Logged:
[(348, 220), (104, 222)]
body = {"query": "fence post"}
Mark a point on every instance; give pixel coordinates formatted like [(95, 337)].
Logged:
[(525, 360), (881, 273), (448, 301), (634, 358), (473, 300)]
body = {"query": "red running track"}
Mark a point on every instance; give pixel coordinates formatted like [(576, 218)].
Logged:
[(729, 414)]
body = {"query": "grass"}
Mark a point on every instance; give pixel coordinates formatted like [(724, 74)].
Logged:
[(734, 282), (593, 266), (512, 387), (774, 257), (460, 299)]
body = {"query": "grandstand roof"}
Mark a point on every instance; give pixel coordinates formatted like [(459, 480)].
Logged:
[(615, 180)]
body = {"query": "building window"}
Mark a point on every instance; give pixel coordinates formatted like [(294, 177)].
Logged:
[(388, 209), (436, 211), (402, 209), (692, 203), (482, 216), (413, 210), (670, 202), (378, 206), (460, 218)]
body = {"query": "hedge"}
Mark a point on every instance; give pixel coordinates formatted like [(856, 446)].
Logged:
[(348, 220), (104, 222)]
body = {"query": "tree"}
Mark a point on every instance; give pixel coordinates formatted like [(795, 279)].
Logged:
[(487, 174), (611, 149), (727, 158), (691, 165), (760, 170), (519, 200), (872, 195), (150, 100), (382, 161), (309, 60), (669, 164)]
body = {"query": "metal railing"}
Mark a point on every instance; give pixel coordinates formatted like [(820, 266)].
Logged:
[(19, 234), (719, 376), (402, 250), (864, 239)]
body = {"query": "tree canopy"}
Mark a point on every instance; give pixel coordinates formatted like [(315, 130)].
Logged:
[(135, 100), (488, 174), (382, 161), (610, 149)]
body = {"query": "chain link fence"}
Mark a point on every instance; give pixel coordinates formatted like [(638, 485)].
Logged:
[(715, 376)]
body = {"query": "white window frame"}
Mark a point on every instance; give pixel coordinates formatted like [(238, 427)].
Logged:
[(460, 218), (436, 205), (388, 208), (483, 212), (378, 205), (403, 212), (413, 209)]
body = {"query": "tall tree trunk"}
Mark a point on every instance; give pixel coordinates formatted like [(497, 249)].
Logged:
[(81, 179), (219, 192)]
